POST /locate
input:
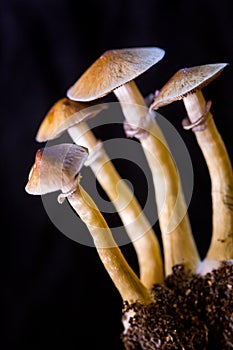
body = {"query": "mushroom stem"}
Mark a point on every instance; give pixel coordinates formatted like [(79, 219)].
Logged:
[(220, 170), (135, 222), (179, 244), (178, 241), (124, 278), (132, 103)]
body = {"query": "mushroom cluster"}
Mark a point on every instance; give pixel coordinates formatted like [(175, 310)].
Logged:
[(177, 301)]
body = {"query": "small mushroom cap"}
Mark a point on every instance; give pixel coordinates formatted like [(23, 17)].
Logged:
[(56, 168), (64, 114), (113, 69), (185, 81)]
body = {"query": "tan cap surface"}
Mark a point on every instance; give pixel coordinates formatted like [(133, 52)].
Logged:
[(113, 69), (65, 114), (185, 81), (55, 168)]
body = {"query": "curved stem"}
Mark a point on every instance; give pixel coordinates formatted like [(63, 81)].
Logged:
[(178, 241), (136, 224), (220, 170), (124, 278), (179, 245)]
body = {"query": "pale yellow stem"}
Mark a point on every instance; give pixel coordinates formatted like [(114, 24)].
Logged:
[(135, 222), (126, 281), (178, 242), (220, 170)]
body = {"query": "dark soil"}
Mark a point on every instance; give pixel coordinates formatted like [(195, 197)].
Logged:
[(189, 312)]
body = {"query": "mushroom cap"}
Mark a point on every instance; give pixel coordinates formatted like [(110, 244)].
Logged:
[(64, 114), (185, 81), (113, 69), (56, 168)]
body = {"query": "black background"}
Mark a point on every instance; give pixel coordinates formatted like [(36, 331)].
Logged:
[(55, 292)]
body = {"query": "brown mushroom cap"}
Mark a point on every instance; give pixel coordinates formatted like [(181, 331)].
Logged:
[(185, 81), (65, 114), (56, 168), (113, 69)]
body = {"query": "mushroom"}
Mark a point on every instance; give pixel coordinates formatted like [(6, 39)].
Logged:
[(186, 84), (115, 72), (188, 311), (58, 168), (67, 115)]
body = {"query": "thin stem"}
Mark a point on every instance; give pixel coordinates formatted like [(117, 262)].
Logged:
[(124, 278), (178, 241), (179, 245), (135, 222), (220, 170)]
